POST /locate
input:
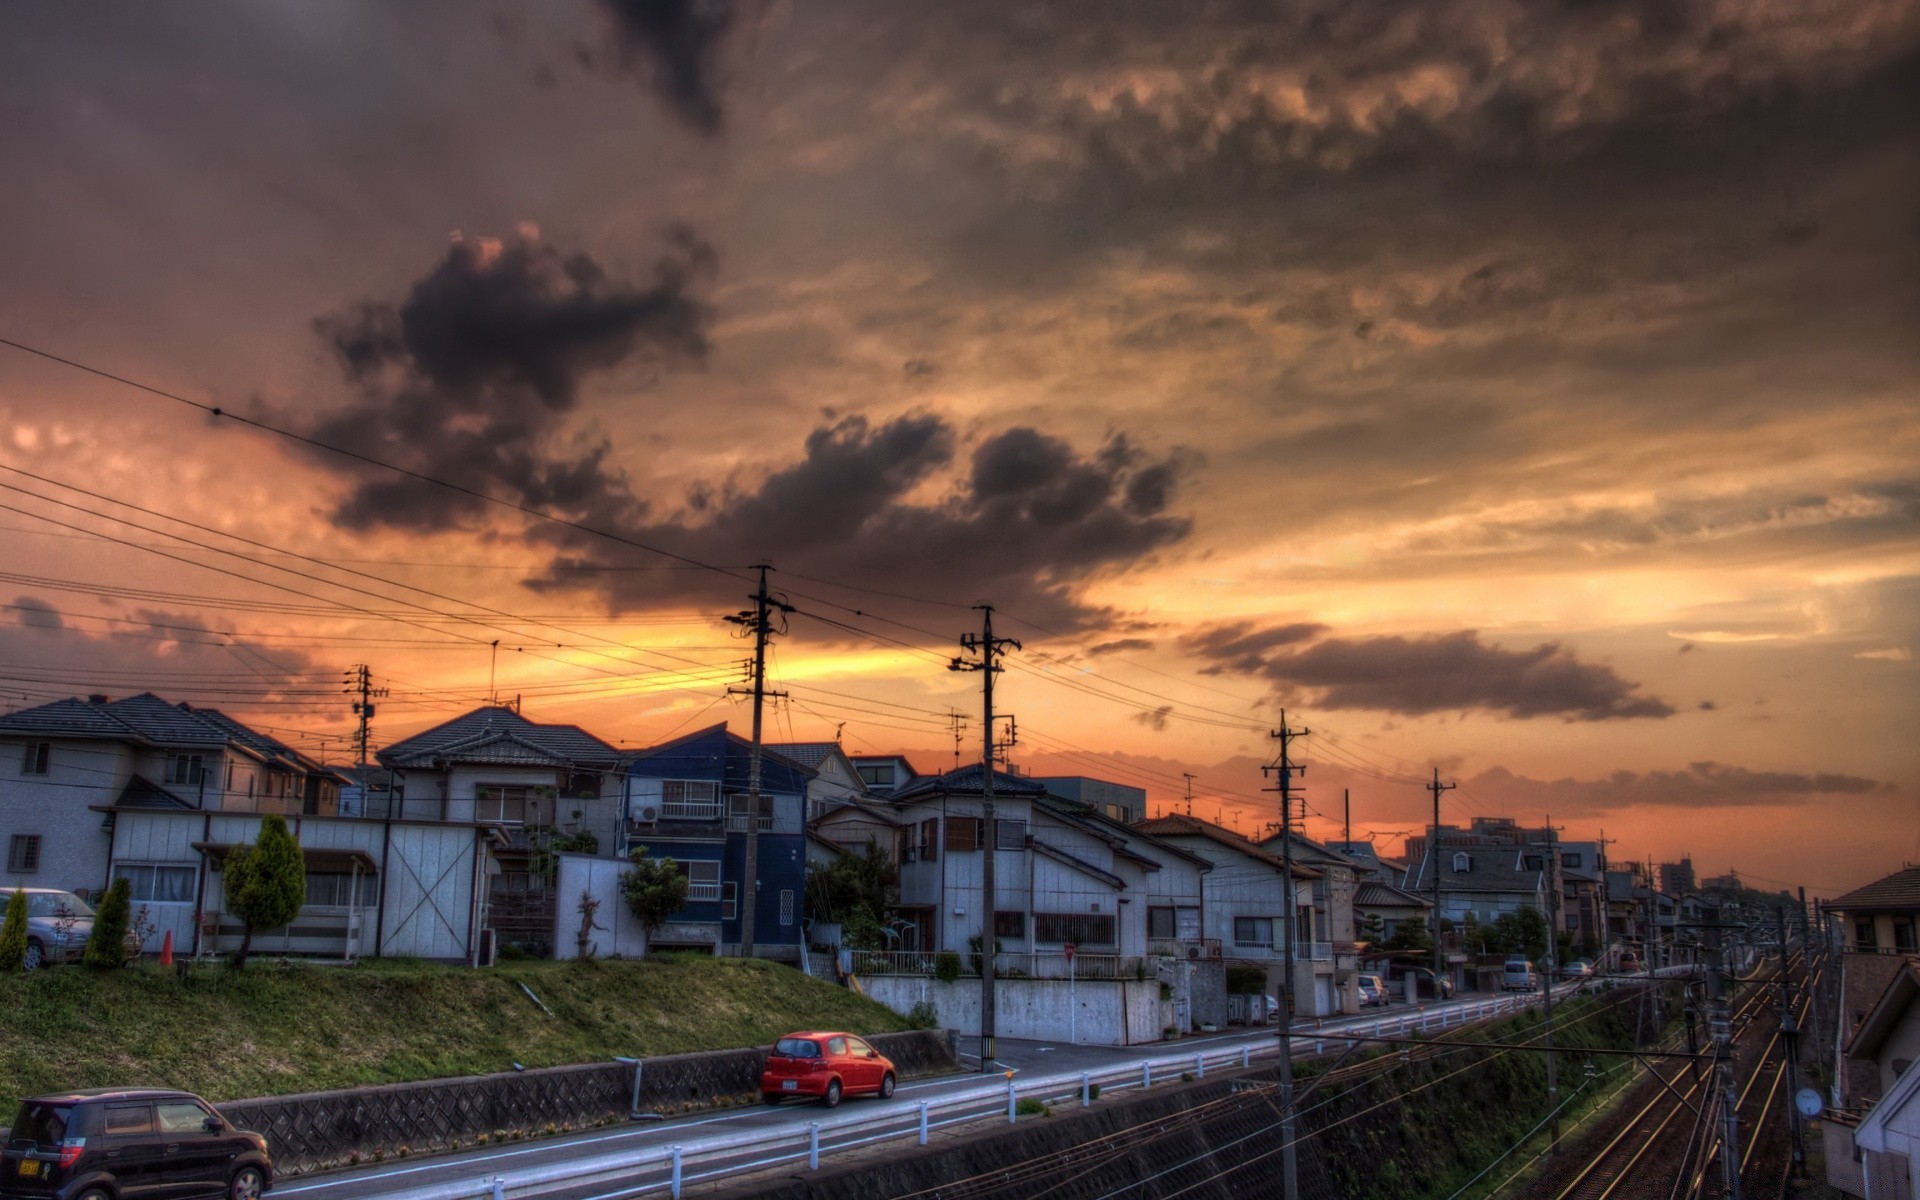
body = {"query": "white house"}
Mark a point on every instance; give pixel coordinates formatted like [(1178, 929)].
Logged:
[(836, 779)]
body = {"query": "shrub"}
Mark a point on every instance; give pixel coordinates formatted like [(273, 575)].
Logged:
[(107, 944), (1246, 981), (946, 966), (1093, 1091), (13, 932), (1030, 1107), (654, 889), (923, 1015), (265, 883)]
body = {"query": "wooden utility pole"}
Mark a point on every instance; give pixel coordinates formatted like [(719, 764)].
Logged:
[(1346, 817), (989, 648), (1433, 863), (1552, 874), (758, 622), (1285, 769)]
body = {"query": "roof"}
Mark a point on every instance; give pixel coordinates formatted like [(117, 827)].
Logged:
[(1079, 864), (725, 757), (1371, 894), (1873, 1132), (1900, 890), (1493, 869), (1317, 851), (142, 718), (1178, 825), (1888, 1009), (807, 754), (971, 780), (478, 736), (143, 793)]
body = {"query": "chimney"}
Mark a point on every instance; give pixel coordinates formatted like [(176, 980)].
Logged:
[(97, 698)]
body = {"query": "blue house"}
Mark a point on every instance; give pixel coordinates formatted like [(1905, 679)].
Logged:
[(687, 800)]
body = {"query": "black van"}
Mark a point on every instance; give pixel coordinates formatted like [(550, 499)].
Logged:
[(129, 1144)]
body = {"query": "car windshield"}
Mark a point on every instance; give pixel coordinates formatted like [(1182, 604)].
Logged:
[(56, 904), (39, 1124), (797, 1048)]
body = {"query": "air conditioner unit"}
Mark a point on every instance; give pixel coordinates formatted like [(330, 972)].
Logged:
[(1193, 952), (646, 812)]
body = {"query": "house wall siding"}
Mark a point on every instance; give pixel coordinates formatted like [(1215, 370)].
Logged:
[(57, 808)]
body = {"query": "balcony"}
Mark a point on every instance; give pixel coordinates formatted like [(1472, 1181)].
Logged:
[(1313, 951), (1183, 947), (690, 810), (737, 823), (703, 893)]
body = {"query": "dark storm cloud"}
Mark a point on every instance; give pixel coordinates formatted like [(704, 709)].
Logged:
[(677, 43), (1700, 785), (470, 379), (34, 613), (1156, 718), (1120, 646), (1435, 673), (1028, 518), (1242, 646)]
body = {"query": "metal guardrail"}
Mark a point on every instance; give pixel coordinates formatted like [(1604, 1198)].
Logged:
[(671, 1168)]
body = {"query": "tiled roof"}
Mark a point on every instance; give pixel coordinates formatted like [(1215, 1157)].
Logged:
[(1492, 869), (253, 738), (168, 724), (807, 754), (970, 780), (562, 743), (1900, 890), (145, 717), (1079, 864), (1178, 825), (140, 793), (1385, 895), (73, 717)]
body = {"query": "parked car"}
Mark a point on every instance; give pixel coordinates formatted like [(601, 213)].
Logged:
[(58, 925), (1579, 968), (1373, 991), (1629, 962), (827, 1066), (1519, 976), (124, 1144)]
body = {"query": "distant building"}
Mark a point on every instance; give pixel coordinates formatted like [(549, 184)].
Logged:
[(1677, 878), (1116, 801)]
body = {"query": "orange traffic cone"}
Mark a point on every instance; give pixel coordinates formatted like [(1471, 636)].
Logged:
[(166, 950)]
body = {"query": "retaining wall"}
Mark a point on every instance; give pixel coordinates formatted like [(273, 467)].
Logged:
[(1088, 1012)]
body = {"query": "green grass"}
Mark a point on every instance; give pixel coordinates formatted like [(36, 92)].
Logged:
[(276, 1028)]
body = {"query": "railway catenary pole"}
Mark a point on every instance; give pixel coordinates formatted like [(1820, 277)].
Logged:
[(1790, 1047), (1722, 1031), (1433, 866)]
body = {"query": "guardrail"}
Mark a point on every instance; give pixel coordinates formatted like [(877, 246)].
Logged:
[(671, 1168)]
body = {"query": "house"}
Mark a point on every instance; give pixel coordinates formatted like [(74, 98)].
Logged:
[(836, 780), (1335, 921), (1246, 902), (1117, 801), (687, 800), (883, 773), (1487, 881), (1880, 1053), (1881, 917), (1388, 907), (75, 759), (546, 787), (857, 824), (1583, 896)]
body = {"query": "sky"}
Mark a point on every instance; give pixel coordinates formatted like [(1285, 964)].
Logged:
[(1522, 392)]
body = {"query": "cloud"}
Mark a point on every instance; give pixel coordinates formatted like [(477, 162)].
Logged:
[(470, 378), (1241, 647), (1432, 673), (679, 41), (1121, 646), (1026, 519), (1155, 719), (1700, 785), (34, 613)]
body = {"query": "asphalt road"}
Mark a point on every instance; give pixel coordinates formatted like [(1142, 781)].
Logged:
[(529, 1168)]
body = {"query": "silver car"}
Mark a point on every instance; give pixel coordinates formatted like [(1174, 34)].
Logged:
[(58, 925)]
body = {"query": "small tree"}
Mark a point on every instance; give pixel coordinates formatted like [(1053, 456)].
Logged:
[(107, 944), (13, 933), (654, 890), (266, 883)]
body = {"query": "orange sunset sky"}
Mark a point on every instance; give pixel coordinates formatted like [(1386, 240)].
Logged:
[(1526, 390)]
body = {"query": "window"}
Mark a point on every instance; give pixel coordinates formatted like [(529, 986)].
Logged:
[(177, 1116), (1253, 931), (1010, 925), (963, 833), (1010, 835), (786, 906), (729, 901), (1863, 934), (1160, 923), (1903, 935), (689, 799), (508, 805), (703, 881), (23, 853), (186, 768), (33, 760), (153, 883), (836, 1045), (1534, 862), (739, 804), (334, 889), (930, 839), (1082, 929), (876, 774), (1570, 860), (1462, 863), (129, 1118)]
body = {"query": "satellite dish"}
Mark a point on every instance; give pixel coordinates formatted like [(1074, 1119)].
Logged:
[(1809, 1103)]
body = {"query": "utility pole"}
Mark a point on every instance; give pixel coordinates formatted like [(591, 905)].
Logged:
[(361, 678), (1346, 817), (1790, 1047), (1189, 777), (989, 648), (1722, 1031), (1433, 862), (1552, 874), (758, 622), (1285, 769)]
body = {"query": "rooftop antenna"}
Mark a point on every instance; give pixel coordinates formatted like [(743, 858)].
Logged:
[(1189, 775), (493, 660)]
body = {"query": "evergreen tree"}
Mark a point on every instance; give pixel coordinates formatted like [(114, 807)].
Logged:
[(654, 890), (107, 944), (13, 933), (266, 883)]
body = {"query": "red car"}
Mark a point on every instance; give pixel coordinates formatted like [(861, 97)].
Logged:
[(826, 1065)]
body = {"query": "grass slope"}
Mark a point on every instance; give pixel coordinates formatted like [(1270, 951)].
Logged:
[(276, 1028)]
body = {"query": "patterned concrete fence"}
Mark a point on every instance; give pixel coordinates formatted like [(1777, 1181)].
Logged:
[(317, 1131)]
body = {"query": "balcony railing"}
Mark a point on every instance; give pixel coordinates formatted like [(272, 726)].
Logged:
[(1313, 951), (1008, 964), (703, 893), (690, 810), (1184, 947), (737, 823)]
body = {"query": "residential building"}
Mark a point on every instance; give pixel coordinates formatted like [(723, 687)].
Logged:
[(836, 779), (1881, 918), (1335, 921), (64, 764), (1487, 881), (1677, 878), (688, 800), (1583, 896), (1246, 901), (883, 773), (1116, 801), (1880, 1102), (546, 787)]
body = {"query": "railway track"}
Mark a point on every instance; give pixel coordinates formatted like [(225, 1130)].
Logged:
[(1663, 1146)]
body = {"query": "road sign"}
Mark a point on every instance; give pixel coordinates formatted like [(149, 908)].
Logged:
[(1069, 951)]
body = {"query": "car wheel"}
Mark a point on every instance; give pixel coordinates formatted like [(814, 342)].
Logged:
[(833, 1093), (94, 1194), (886, 1086), (248, 1184), (769, 1097), (36, 955)]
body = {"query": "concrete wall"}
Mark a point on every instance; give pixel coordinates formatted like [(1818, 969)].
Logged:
[(1090, 1013)]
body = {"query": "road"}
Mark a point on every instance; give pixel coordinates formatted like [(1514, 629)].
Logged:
[(614, 1163)]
